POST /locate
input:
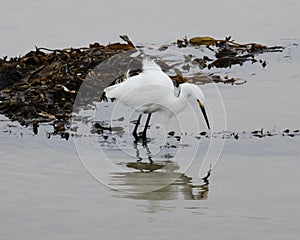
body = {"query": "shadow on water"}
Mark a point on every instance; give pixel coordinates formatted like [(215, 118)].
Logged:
[(137, 184), (156, 180)]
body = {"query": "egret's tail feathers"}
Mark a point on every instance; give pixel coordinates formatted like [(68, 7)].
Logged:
[(127, 75), (112, 91), (150, 64)]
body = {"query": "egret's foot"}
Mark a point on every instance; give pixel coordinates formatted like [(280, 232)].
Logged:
[(145, 140), (142, 140), (136, 140), (150, 160), (137, 137), (141, 137)]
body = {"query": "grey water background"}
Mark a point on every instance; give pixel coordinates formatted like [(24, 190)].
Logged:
[(254, 189)]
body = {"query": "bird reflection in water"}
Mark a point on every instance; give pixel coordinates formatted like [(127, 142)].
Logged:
[(156, 180)]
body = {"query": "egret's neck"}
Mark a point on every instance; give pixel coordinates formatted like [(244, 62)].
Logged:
[(175, 106), (179, 103)]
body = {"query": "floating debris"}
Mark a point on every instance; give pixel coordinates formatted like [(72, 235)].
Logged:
[(42, 85), (286, 131), (227, 51), (143, 166), (248, 135), (203, 133), (206, 41)]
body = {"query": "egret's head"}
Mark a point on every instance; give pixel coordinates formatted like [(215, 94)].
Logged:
[(193, 91)]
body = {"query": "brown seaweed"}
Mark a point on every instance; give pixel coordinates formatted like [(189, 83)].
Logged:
[(227, 51), (42, 85)]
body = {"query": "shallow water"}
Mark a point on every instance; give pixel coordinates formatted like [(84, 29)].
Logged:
[(253, 190), (27, 23), (46, 190)]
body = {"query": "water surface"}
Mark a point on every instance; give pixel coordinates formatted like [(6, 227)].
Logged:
[(253, 191)]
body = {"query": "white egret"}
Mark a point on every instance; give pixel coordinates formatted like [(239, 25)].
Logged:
[(153, 91)]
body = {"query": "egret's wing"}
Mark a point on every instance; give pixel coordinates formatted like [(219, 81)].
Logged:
[(130, 84), (146, 87)]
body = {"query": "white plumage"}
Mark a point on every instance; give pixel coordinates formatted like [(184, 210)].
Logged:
[(153, 91)]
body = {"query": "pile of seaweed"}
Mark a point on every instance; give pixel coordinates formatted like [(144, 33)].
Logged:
[(42, 85)]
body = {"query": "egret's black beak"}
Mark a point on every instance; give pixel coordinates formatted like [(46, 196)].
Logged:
[(201, 105)]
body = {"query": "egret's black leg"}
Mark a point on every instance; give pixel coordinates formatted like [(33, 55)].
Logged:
[(149, 154), (144, 135), (134, 133), (138, 155)]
